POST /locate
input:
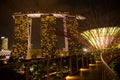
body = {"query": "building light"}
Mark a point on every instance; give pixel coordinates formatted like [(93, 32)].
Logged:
[(80, 17), (2, 37), (7, 57)]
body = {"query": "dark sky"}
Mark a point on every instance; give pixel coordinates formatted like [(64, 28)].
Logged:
[(96, 11)]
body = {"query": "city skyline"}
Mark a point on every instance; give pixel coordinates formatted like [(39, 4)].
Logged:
[(96, 11)]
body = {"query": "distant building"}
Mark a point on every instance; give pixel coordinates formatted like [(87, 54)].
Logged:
[(4, 43), (4, 52)]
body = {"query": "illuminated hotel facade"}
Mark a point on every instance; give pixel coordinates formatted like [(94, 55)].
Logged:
[(24, 30)]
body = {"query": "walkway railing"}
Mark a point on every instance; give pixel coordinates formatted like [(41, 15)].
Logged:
[(59, 68), (46, 69), (108, 74)]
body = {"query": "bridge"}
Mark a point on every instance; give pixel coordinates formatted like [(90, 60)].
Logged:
[(73, 67), (97, 71)]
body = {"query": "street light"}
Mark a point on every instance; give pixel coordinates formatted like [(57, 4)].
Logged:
[(85, 49)]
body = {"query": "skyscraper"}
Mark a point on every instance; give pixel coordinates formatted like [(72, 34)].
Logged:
[(4, 43)]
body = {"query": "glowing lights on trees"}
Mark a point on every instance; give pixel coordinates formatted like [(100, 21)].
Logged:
[(101, 38)]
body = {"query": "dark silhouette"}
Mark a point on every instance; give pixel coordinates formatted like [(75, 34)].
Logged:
[(8, 74)]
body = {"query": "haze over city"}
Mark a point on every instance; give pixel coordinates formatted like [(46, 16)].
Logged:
[(101, 12)]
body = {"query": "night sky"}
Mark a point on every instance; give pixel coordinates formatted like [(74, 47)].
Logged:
[(100, 12)]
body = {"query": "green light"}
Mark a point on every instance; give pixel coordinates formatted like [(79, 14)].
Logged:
[(101, 38)]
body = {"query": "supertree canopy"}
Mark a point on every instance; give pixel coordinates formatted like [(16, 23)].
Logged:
[(101, 38)]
